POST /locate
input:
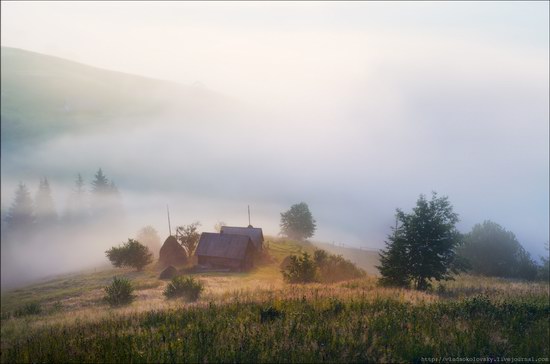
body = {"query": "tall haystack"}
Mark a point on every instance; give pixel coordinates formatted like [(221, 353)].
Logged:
[(172, 253)]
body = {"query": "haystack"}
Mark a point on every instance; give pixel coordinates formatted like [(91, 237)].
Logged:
[(169, 273), (172, 253)]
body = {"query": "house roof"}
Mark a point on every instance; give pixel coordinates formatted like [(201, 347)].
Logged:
[(255, 234), (225, 245)]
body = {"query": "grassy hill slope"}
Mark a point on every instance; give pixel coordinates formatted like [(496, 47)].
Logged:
[(44, 96), (85, 289), (255, 317)]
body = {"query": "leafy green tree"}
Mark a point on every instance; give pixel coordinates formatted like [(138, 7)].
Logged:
[(20, 216), (491, 250), (46, 214), (188, 236), (297, 222), (423, 246), (131, 254)]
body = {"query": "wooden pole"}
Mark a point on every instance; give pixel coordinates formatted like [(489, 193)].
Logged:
[(169, 227)]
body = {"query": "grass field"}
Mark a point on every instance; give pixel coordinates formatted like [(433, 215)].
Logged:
[(256, 317)]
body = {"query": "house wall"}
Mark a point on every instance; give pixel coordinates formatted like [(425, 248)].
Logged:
[(220, 262)]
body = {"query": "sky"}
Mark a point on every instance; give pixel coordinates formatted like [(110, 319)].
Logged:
[(358, 107)]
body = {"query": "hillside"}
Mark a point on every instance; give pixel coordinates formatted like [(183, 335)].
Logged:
[(43, 96), (84, 289), (256, 317), (366, 259)]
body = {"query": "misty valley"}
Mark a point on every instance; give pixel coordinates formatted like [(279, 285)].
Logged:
[(265, 182)]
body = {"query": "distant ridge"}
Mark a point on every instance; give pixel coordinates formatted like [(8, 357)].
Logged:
[(42, 96)]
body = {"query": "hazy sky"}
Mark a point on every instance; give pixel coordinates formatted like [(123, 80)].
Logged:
[(365, 105)]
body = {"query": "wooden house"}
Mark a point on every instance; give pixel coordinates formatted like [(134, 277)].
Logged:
[(225, 250)]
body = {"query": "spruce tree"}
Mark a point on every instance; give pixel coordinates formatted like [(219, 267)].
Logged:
[(394, 260), (77, 210), (106, 202), (100, 184), (46, 214), (20, 217), (422, 246)]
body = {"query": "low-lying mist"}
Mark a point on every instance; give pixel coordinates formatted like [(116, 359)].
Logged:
[(354, 143)]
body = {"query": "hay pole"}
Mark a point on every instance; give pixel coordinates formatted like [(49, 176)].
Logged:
[(169, 227)]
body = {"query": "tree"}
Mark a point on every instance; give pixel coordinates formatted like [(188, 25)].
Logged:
[(218, 226), (150, 238), (298, 223), (20, 215), (491, 250), (106, 202), (423, 246), (77, 210), (544, 268), (100, 184), (79, 185), (188, 236), (130, 254), (46, 215)]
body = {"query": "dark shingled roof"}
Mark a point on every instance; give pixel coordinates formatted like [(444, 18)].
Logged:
[(255, 234), (229, 246)]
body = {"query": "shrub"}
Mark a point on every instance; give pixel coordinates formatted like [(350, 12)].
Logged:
[(119, 292), (324, 267), (32, 308), (185, 287), (334, 268), (131, 254), (300, 269)]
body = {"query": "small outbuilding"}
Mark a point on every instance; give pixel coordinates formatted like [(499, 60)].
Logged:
[(255, 234), (172, 253), (225, 250)]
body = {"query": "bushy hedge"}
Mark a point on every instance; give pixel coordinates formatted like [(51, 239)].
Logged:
[(334, 268), (324, 267)]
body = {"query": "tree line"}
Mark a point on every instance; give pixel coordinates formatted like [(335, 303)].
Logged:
[(426, 246), (27, 215)]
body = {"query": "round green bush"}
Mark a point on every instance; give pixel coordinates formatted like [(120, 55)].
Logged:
[(119, 292), (184, 287)]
